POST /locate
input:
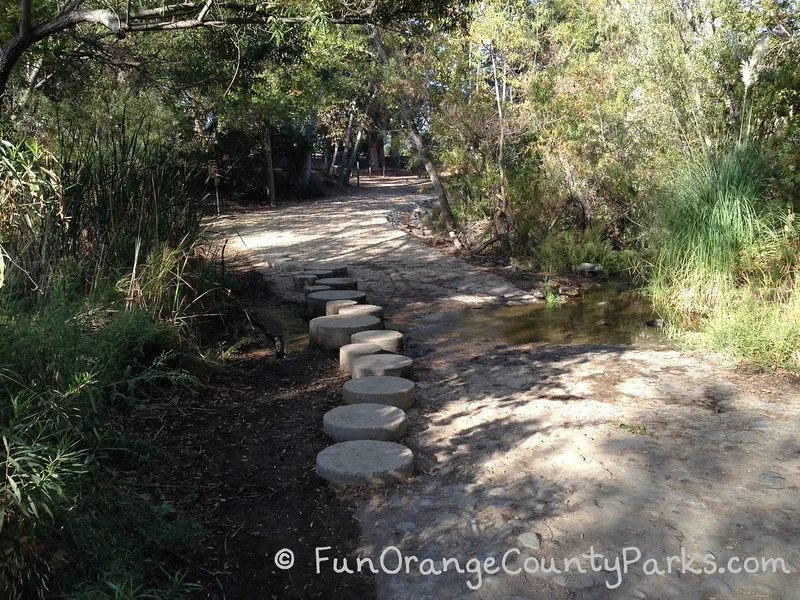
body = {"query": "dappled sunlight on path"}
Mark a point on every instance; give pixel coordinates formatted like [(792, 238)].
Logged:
[(554, 449)]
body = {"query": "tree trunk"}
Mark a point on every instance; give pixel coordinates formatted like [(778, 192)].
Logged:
[(273, 198), (336, 152), (348, 139), (419, 143), (433, 172), (9, 56), (310, 132), (353, 158), (374, 157), (502, 215)]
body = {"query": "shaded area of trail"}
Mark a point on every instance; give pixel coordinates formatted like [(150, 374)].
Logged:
[(570, 446)]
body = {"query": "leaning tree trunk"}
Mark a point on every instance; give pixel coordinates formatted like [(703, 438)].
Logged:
[(351, 163), (419, 143), (273, 198), (433, 172)]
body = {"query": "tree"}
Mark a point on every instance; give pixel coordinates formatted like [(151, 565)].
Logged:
[(25, 25), (407, 116)]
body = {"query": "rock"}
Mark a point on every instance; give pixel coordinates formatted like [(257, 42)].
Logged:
[(363, 309), (658, 323), (333, 332), (333, 307), (349, 352), (365, 462), (530, 540), (394, 365), (339, 283), (365, 422), (379, 389), (538, 295), (302, 281), (318, 301), (570, 292), (588, 269), (388, 339)]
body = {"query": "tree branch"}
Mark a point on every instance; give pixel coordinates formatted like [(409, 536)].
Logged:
[(25, 17)]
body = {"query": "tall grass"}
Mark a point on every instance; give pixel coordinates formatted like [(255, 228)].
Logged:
[(719, 225), (102, 270), (727, 257)]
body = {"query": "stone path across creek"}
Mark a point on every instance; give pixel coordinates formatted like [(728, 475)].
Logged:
[(553, 449)]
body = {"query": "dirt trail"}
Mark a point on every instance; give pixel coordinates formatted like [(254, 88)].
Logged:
[(554, 449)]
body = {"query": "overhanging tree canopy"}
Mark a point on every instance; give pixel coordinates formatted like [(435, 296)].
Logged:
[(24, 24)]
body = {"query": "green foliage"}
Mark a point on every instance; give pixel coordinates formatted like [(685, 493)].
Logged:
[(727, 261), (754, 329), (116, 273), (561, 251), (718, 226), (67, 371)]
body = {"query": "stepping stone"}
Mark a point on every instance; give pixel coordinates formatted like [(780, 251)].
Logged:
[(317, 301), (272, 257), (334, 306), (379, 389), (337, 269), (287, 264), (333, 332), (302, 281), (365, 462), (339, 283), (319, 273), (349, 352), (365, 422), (395, 365), (388, 339), (315, 288), (363, 309)]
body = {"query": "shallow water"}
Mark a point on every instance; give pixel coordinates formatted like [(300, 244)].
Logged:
[(287, 323), (603, 316)]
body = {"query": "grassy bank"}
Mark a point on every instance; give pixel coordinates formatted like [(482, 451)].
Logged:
[(727, 260), (104, 284)]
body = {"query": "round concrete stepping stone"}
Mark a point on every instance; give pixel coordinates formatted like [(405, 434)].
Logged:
[(272, 257), (316, 288), (365, 422), (337, 269), (319, 273), (317, 301), (395, 365), (302, 281), (349, 352), (365, 462), (363, 309), (388, 339), (379, 389), (339, 283), (334, 331), (334, 306), (287, 264)]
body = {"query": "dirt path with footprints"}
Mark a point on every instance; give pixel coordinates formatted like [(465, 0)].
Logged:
[(519, 450)]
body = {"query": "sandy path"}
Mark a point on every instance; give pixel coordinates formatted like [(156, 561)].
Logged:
[(521, 446)]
